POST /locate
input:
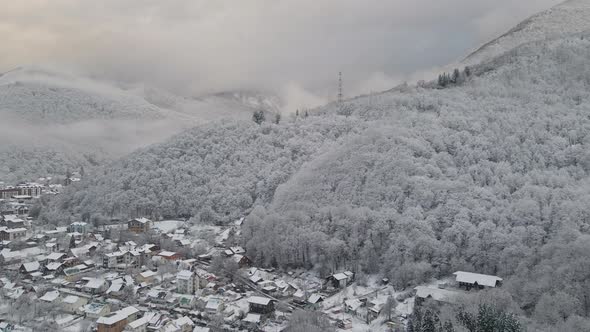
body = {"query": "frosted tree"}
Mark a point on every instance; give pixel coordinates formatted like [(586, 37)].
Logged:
[(258, 116)]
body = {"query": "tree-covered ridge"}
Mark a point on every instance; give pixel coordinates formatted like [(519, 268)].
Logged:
[(215, 172)]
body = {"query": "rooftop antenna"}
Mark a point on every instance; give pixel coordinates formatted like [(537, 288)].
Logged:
[(340, 87)]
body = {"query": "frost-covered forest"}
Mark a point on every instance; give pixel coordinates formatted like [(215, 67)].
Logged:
[(490, 174), (53, 121)]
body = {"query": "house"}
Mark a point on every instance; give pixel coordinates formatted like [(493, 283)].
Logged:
[(139, 225), (478, 281), (30, 267), (186, 301), (182, 324), (424, 293), (214, 305), (95, 310), (122, 260), (352, 305), (72, 303), (157, 322), (13, 234), (252, 321), (299, 297), (50, 297), (55, 257), (130, 312), (84, 251), (374, 308), (147, 277), (341, 280), (78, 227), (113, 322), (76, 272), (315, 299), (187, 282), (169, 255), (95, 286), (12, 221), (141, 324), (116, 288), (54, 268), (260, 305), (242, 261)]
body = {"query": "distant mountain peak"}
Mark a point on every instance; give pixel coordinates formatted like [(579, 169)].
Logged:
[(568, 17)]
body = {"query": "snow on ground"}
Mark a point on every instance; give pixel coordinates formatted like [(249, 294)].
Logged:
[(167, 226)]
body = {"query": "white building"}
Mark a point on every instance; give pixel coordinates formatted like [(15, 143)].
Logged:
[(72, 303), (187, 282)]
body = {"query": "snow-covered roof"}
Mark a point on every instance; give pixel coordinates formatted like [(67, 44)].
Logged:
[(238, 250), (111, 318), (259, 300), (14, 230), (115, 254), (184, 275), (299, 294), (213, 303), (94, 283), (201, 329), (340, 276), (353, 304), (94, 308), (115, 287), (182, 321), (441, 295), (255, 279), (480, 279), (53, 266), (55, 256), (50, 296), (31, 266), (142, 220), (252, 318), (237, 258), (142, 321), (147, 274), (128, 311), (167, 253), (71, 299), (314, 298)]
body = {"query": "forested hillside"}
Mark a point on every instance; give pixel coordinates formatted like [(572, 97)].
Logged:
[(489, 174), (215, 172), (65, 118)]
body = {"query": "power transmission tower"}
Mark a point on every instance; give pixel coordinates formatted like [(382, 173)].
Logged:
[(340, 87)]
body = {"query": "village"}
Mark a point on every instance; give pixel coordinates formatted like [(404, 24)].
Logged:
[(171, 275)]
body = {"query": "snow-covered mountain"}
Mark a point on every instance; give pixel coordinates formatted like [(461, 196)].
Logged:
[(37, 95), (40, 95), (568, 17), (44, 109)]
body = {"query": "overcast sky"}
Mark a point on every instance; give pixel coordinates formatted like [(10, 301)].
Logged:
[(201, 46)]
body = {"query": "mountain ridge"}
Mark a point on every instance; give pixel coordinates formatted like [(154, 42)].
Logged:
[(562, 19)]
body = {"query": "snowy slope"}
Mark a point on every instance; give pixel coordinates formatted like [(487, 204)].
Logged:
[(569, 17), (42, 96), (73, 116)]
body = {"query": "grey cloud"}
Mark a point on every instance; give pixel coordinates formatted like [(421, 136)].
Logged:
[(201, 46)]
